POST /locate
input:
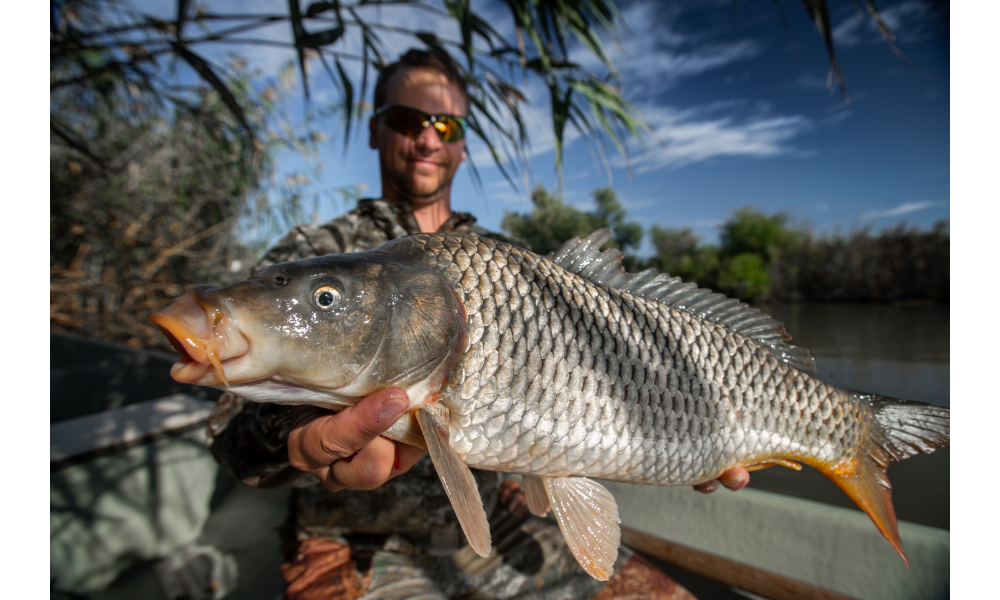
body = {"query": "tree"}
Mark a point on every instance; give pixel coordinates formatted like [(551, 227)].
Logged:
[(166, 206), (552, 222), (759, 251), (750, 230), (679, 254), (763, 256)]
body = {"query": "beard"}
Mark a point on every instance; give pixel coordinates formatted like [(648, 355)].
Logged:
[(421, 189)]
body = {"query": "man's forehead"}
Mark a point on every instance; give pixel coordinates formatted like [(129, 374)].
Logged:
[(427, 90)]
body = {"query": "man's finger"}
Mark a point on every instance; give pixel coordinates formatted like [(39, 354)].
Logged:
[(707, 487), (406, 457), (366, 470), (735, 478), (319, 441)]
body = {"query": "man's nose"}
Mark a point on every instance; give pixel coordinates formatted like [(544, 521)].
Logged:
[(428, 140)]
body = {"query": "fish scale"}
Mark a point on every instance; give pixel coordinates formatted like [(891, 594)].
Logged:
[(666, 378)]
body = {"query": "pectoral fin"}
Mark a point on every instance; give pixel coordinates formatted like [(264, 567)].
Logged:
[(588, 517), (456, 478), (534, 493)]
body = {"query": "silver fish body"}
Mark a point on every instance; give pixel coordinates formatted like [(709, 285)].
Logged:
[(562, 376)]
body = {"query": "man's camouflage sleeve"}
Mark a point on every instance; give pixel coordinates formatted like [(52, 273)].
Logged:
[(304, 241)]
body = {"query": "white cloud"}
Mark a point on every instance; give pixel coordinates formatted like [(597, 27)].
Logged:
[(506, 195), (695, 135), (689, 135), (652, 54), (809, 80), (578, 176), (909, 21), (903, 209), (639, 203)]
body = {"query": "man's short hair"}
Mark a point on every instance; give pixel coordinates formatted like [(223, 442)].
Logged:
[(420, 59)]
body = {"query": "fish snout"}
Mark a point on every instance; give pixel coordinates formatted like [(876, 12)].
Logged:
[(202, 333)]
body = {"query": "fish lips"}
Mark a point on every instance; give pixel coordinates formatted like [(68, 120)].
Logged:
[(204, 334)]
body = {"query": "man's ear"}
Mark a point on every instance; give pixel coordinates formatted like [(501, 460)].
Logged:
[(373, 134)]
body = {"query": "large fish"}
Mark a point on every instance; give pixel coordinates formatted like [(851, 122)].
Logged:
[(558, 368)]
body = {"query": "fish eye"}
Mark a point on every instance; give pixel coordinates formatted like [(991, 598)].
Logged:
[(326, 297)]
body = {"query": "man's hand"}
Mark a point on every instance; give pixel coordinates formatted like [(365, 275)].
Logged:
[(734, 479), (345, 450)]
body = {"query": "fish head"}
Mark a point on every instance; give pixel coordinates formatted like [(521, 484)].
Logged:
[(340, 325)]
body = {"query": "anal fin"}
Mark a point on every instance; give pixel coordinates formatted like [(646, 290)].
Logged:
[(455, 477), (534, 493), (588, 517), (869, 487), (770, 462)]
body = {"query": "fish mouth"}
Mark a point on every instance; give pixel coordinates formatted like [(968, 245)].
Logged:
[(202, 334)]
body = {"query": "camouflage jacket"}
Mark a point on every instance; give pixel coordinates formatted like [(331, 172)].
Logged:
[(250, 439)]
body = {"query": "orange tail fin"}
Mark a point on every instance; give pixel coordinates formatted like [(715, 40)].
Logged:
[(869, 487), (899, 429)]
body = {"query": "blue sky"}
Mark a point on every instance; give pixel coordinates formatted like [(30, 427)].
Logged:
[(742, 109)]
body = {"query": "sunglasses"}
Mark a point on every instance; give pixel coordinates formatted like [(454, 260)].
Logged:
[(411, 122)]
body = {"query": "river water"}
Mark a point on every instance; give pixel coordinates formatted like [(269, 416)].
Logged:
[(900, 351)]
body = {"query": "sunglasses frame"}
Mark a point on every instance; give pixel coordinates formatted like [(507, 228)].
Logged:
[(428, 121)]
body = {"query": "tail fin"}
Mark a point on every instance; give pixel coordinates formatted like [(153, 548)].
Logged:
[(900, 430)]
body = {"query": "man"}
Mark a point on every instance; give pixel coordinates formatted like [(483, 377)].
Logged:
[(389, 529)]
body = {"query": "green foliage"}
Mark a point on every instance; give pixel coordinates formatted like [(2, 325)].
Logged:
[(678, 253), (751, 231), (673, 242), (764, 257), (745, 276), (552, 222), (162, 197)]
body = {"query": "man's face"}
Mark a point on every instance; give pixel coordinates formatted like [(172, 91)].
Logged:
[(419, 169)]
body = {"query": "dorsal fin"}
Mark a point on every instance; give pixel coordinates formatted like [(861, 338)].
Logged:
[(583, 257)]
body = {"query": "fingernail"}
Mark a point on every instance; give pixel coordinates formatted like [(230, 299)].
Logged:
[(393, 408)]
